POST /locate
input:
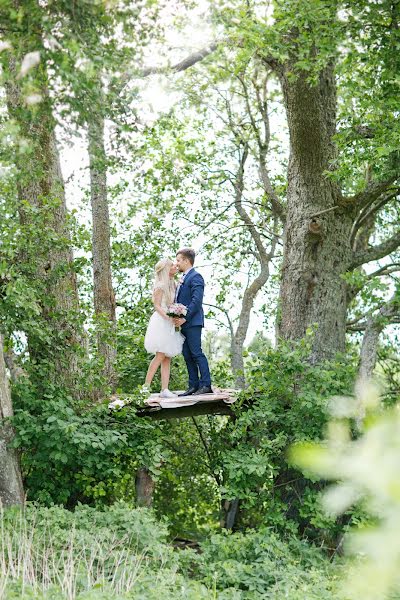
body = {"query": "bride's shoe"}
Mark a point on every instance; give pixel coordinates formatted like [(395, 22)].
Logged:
[(167, 394)]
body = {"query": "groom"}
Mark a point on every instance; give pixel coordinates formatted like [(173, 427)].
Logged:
[(190, 292)]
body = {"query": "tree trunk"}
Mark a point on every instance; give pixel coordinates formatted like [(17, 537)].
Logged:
[(229, 513), (238, 337), (11, 488), (374, 327), (316, 240), (144, 488), (369, 350), (104, 298), (237, 362), (16, 371), (40, 185)]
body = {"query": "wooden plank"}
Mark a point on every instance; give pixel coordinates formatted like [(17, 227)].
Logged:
[(155, 407), (201, 408), (228, 396)]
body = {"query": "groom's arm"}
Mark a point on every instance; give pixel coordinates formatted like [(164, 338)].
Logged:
[(197, 293)]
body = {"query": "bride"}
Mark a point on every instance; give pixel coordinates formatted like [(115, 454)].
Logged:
[(161, 338)]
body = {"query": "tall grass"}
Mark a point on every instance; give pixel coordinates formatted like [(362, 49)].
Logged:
[(42, 560), (30, 555)]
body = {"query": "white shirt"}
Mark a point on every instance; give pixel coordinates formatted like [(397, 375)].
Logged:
[(181, 282)]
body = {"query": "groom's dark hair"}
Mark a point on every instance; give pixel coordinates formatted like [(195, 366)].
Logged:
[(188, 253)]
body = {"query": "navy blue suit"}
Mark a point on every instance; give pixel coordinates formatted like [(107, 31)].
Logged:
[(191, 294)]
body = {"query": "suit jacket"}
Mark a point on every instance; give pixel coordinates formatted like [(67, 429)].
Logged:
[(191, 295)]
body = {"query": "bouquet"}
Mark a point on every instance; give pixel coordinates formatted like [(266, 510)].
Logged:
[(177, 310)]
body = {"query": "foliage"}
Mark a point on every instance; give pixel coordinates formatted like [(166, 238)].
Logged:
[(187, 492), (117, 552), (260, 564), (285, 402), (72, 453), (365, 469), (173, 179), (52, 553)]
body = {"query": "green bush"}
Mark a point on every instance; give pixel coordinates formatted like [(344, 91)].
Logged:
[(121, 553), (72, 453), (285, 402), (52, 553), (259, 564)]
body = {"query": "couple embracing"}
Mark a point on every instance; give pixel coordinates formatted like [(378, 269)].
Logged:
[(163, 337)]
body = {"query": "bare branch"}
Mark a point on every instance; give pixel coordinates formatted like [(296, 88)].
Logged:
[(263, 144), (182, 65), (226, 313), (375, 252), (357, 327), (385, 270), (322, 212), (239, 186), (369, 210), (388, 313), (372, 191)]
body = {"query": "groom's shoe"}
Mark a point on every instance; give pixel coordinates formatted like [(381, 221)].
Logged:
[(205, 389), (189, 392)]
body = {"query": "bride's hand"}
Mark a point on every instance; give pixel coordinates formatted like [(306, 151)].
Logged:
[(179, 321)]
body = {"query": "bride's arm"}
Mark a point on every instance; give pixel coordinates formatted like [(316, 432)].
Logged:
[(157, 297)]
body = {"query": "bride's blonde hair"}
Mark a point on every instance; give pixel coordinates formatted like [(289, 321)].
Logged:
[(163, 281)]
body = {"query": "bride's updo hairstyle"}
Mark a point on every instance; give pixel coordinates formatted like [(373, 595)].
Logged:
[(163, 281)]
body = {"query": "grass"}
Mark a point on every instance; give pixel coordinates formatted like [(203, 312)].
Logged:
[(40, 559)]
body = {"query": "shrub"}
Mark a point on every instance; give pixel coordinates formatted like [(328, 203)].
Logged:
[(285, 402)]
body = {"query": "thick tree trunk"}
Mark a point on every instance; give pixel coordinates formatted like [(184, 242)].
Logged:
[(40, 184), (104, 298), (144, 488), (316, 240), (11, 488)]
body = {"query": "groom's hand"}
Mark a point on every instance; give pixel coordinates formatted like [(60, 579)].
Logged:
[(179, 322)]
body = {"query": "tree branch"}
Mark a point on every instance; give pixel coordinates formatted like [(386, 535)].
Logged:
[(388, 313), (182, 65), (210, 461), (385, 270), (263, 144), (369, 210), (239, 186), (226, 313), (370, 193), (375, 252)]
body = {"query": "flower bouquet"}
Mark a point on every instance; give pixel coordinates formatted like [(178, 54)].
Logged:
[(177, 311)]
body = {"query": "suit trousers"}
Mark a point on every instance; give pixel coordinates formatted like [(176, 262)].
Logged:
[(196, 361)]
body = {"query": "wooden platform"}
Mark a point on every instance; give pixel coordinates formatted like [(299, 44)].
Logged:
[(188, 406)]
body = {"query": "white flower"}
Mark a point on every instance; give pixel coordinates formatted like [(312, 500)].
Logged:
[(33, 99), (4, 46), (30, 60), (119, 403)]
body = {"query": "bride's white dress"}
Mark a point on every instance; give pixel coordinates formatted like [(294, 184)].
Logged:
[(161, 335)]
